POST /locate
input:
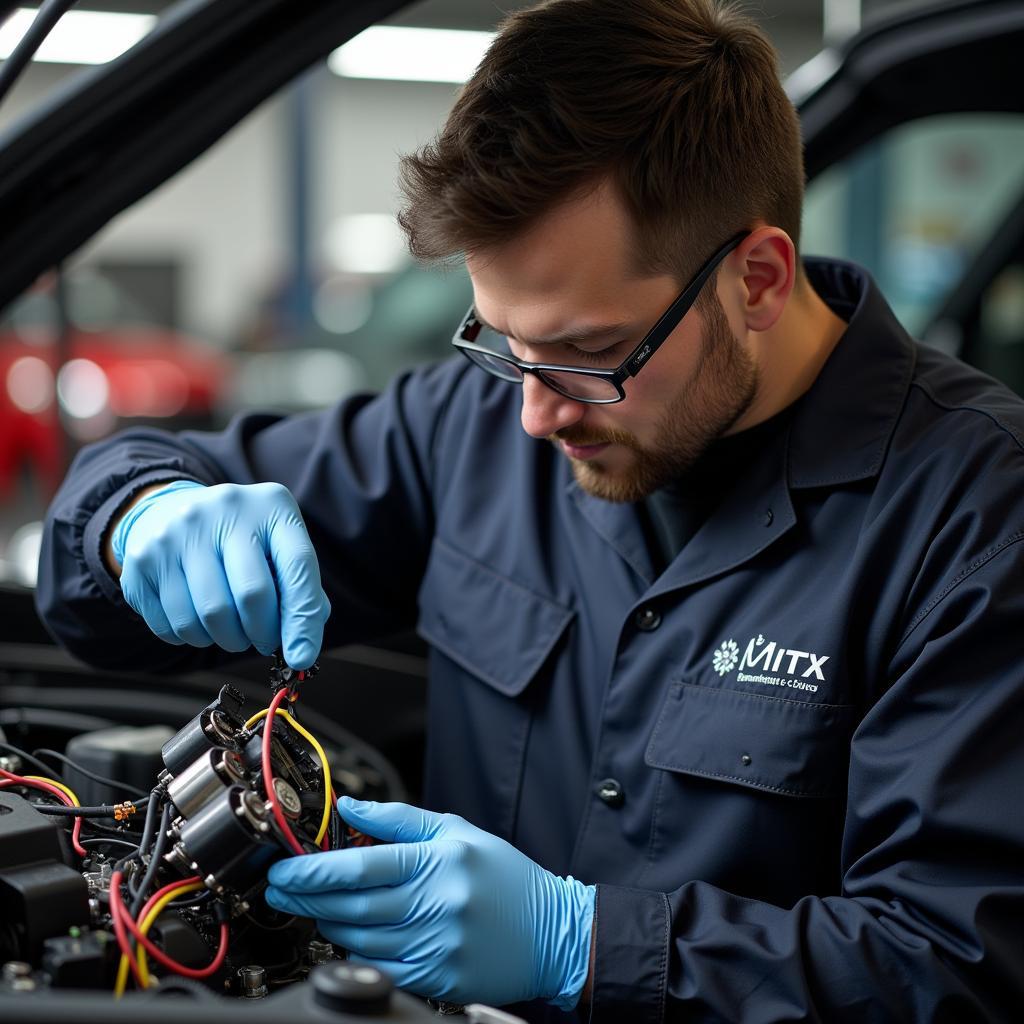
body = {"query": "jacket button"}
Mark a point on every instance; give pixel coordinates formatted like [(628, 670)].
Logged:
[(746, 760), (769, 517), (610, 791), (647, 620)]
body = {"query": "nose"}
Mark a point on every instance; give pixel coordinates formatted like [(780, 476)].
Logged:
[(545, 411)]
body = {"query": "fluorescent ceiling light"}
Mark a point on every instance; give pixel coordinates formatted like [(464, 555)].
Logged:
[(366, 243), (411, 54), (80, 37)]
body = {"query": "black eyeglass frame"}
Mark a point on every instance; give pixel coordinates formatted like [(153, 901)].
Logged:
[(470, 329)]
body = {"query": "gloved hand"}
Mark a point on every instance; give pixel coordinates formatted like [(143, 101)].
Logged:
[(230, 565), (449, 911)]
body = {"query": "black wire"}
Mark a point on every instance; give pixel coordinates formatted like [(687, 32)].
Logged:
[(147, 833), (102, 779), (43, 769), (154, 862), (100, 840), (147, 827), (48, 15), (203, 897), (102, 811)]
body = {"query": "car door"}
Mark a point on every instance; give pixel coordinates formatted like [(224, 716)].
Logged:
[(914, 137)]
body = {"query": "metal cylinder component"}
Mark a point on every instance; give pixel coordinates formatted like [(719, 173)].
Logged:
[(320, 953), (227, 840), (217, 725), (254, 981), (15, 969), (287, 799), (209, 774)]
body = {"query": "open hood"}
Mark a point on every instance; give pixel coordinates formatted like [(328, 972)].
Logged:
[(117, 132)]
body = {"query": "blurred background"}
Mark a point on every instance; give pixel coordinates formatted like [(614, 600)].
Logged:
[(271, 273)]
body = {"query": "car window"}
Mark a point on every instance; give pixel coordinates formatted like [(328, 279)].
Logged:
[(919, 205)]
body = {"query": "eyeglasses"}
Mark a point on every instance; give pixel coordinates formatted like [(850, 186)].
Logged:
[(582, 384)]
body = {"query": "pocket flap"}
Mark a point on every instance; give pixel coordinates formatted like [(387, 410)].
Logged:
[(492, 626), (785, 746)]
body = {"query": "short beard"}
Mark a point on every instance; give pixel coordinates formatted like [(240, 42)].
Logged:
[(723, 385)]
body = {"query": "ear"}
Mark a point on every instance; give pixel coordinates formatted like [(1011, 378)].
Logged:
[(767, 262)]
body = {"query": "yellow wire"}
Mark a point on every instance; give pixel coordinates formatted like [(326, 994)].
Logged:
[(59, 785), (124, 966), (122, 976), (157, 909), (325, 821)]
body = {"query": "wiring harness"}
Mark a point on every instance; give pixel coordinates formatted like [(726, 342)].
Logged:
[(177, 895)]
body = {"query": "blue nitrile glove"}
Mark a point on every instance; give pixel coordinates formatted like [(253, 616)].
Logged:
[(448, 911), (230, 565)]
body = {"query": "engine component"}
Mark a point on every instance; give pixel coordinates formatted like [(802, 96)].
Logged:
[(352, 988), (127, 753), (320, 953), (254, 981), (180, 870), (40, 896), (80, 960), (26, 836), (205, 778), (229, 842), (217, 725)]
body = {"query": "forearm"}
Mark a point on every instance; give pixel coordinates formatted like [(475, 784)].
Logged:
[(109, 558)]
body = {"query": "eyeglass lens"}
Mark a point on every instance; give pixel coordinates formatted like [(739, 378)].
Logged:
[(573, 385)]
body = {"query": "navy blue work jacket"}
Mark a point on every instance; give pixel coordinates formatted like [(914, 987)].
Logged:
[(792, 761)]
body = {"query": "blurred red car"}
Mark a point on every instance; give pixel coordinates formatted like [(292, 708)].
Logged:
[(110, 367)]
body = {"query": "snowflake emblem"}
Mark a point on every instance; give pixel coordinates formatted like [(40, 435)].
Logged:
[(726, 657)]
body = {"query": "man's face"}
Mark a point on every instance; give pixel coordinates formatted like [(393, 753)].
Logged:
[(571, 273)]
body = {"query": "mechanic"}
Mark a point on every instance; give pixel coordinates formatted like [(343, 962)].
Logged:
[(726, 670)]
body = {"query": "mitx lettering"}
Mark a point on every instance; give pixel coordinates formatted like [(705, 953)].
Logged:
[(771, 664)]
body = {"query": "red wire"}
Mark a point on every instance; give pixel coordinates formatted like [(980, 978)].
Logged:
[(163, 891), (10, 779), (122, 920), (187, 972), (119, 915), (268, 777)]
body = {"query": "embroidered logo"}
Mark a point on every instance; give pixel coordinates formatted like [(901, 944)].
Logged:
[(770, 664), (726, 657)]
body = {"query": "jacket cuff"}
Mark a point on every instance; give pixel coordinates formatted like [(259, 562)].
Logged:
[(631, 957), (96, 528)]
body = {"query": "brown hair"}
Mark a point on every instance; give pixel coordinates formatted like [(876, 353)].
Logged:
[(678, 101)]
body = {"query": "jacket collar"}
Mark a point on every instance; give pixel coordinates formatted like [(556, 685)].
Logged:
[(842, 426), (839, 434)]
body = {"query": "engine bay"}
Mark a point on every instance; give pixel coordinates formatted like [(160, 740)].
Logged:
[(133, 864)]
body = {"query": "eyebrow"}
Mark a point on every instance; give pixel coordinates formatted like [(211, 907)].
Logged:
[(593, 332)]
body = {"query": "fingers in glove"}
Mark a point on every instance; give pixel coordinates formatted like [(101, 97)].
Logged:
[(176, 599), (394, 822), (143, 599), (213, 601), (365, 867), (381, 906), (304, 605), (253, 589)]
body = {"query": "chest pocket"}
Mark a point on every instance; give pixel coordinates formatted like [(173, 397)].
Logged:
[(493, 627), (491, 636), (783, 746)]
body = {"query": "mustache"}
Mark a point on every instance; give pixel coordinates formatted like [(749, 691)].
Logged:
[(582, 438)]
